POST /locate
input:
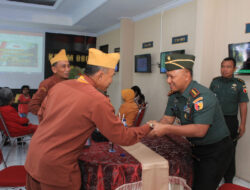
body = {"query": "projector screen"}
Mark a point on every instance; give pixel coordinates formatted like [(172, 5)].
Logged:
[(21, 59)]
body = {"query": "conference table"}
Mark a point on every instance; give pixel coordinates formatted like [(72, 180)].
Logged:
[(120, 170)]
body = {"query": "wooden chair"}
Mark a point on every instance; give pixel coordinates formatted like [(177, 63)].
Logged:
[(140, 115), (12, 176), (230, 186), (13, 139)]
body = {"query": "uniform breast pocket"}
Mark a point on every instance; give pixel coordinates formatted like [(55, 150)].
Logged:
[(232, 93)]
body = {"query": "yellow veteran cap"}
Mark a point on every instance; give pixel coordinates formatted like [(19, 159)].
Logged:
[(98, 58), (61, 56), (179, 61)]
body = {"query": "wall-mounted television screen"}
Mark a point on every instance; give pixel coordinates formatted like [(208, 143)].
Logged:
[(241, 53), (143, 63), (163, 58)]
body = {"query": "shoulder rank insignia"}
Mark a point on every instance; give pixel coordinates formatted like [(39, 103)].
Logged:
[(194, 92), (241, 80)]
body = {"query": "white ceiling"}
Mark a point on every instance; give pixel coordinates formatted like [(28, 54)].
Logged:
[(87, 17)]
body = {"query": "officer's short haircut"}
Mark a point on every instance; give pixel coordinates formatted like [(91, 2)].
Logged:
[(92, 69), (229, 59), (190, 71)]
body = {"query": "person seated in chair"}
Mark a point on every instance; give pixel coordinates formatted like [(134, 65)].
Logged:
[(16, 125), (129, 108), (139, 97)]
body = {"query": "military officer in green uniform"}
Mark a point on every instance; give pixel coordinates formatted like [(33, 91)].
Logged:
[(231, 93), (201, 121)]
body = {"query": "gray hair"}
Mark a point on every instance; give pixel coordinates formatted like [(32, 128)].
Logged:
[(90, 70), (6, 96)]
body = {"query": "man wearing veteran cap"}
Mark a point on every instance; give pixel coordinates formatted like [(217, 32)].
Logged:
[(60, 67), (73, 110), (201, 121)]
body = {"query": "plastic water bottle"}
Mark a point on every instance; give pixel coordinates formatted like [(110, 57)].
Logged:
[(111, 147), (124, 121)]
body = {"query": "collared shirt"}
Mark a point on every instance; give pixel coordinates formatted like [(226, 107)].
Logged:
[(41, 93), (230, 92), (198, 105)]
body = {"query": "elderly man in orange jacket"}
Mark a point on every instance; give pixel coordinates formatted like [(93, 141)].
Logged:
[(60, 67), (73, 110)]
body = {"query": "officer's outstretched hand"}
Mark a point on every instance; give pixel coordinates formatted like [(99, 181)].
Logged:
[(158, 129)]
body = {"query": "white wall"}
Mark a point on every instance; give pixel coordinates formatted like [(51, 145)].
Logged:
[(153, 85), (113, 40), (229, 18), (160, 29)]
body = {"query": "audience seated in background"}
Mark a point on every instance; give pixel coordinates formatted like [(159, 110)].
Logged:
[(129, 108), (139, 97), (17, 126), (23, 101)]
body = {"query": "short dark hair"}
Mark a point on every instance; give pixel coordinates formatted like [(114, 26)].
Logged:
[(25, 86), (191, 72), (92, 69), (229, 59)]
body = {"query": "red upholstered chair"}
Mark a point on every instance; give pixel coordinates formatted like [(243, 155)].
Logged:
[(13, 176), (229, 186), (140, 115)]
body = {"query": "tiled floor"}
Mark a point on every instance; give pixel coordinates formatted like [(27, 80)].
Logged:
[(18, 156)]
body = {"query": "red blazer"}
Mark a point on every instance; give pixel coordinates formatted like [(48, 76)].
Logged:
[(15, 123)]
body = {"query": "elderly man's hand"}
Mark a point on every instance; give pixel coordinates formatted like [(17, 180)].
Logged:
[(159, 129)]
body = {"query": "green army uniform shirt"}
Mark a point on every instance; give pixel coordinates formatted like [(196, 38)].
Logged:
[(230, 92), (198, 105)]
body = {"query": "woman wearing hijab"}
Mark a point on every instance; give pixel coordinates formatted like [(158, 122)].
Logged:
[(129, 108)]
